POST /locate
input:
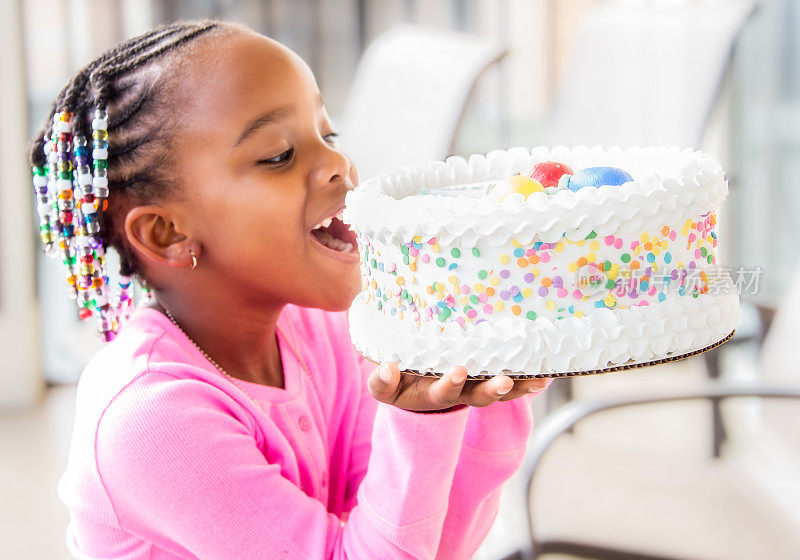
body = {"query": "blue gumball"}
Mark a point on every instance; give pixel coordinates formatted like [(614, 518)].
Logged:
[(595, 177)]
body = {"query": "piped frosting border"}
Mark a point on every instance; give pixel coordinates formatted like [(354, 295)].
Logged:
[(381, 207), (532, 347)]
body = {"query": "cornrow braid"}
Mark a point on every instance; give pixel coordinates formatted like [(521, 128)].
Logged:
[(76, 85), (102, 77), (127, 49), (72, 182)]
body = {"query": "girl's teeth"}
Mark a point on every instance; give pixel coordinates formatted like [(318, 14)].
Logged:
[(334, 243), (327, 221), (329, 241)]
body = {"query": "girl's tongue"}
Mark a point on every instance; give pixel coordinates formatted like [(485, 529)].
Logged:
[(336, 235)]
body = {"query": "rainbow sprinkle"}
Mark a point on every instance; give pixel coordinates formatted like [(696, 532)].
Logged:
[(426, 281)]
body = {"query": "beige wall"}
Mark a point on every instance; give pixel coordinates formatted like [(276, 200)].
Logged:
[(20, 377), (566, 16)]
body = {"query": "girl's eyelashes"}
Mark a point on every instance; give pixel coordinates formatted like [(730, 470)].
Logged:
[(280, 158), (283, 157)]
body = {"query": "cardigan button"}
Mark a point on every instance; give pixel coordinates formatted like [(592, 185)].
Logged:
[(305, 423)]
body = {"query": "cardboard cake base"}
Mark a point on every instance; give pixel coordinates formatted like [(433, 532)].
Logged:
[(620, 367)]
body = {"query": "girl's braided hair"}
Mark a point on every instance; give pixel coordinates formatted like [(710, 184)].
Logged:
[(72, 198)]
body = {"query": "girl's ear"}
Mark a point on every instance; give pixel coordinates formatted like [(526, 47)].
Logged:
[(152, 233)]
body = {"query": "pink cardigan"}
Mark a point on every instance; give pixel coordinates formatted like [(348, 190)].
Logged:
[(170, 459)]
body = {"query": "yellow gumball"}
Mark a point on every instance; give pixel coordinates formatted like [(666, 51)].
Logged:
[(525, 185), (516, 184)]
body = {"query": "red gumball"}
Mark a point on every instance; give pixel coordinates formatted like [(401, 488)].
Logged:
[(549, 172)]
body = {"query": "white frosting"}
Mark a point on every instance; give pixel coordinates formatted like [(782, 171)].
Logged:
[(383, 206), (605, 338)]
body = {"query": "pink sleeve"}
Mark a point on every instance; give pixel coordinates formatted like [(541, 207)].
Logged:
[(492, 450), (494, 446), (181, 467)]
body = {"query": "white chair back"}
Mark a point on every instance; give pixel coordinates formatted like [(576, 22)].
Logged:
[(408, 96), (645, 73)]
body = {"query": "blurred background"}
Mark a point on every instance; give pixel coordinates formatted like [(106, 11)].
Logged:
[(700, 476)]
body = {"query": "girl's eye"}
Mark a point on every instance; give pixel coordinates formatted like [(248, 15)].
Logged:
[(331, 138), (280, 158)]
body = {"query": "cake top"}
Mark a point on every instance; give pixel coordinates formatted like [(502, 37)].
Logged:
[(452, 199)]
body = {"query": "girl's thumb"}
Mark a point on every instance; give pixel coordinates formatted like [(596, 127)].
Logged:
[(382, 383), (385, 373)]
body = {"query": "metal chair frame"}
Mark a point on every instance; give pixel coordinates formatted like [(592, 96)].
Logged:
[(564, 419), (562, 391)]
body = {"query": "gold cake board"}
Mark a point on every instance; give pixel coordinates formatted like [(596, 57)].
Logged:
[(621, 367)]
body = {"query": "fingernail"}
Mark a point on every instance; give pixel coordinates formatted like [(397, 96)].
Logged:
[(385, 373), (459, 378), (538, 386), (503, 391)]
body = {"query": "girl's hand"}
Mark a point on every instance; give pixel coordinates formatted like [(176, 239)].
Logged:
[(413, 392)]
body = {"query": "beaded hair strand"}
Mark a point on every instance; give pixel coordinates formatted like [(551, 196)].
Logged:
[(71, 182)]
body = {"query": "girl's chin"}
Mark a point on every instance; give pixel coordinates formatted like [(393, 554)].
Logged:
[(336, 305), (339, 293), (351, 294)]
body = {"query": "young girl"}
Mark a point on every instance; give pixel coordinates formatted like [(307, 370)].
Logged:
[(231, 417)]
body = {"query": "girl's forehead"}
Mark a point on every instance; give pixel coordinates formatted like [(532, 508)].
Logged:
[(229, 78)]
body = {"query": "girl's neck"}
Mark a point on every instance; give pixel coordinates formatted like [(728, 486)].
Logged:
[(243, 341)]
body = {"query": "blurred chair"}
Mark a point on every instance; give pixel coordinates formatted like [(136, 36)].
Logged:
[(645, 72), (409, 94), (711, 502), (778, 357), (657, 495), (757, 316)]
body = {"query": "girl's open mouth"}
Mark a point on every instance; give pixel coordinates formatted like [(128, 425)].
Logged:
[(334, 234)]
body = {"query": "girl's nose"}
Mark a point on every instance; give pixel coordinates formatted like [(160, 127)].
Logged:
[(332, 166)]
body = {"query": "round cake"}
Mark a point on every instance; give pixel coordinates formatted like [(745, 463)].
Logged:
[(541, 263)]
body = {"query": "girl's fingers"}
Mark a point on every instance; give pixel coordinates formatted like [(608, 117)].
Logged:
[(386, 384), (524, 387), (384, 381), (485, 393), (446, 390)]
